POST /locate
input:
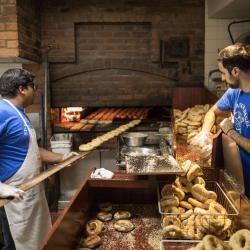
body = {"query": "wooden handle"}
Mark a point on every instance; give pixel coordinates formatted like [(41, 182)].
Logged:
[(44, 175)]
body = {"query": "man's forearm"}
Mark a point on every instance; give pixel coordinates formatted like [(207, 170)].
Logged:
[(50, 157), (209, 121), (242, 141)]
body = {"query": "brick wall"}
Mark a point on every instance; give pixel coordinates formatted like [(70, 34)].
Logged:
[(107, 52), (8, 29), (20, 29), (29, 29)]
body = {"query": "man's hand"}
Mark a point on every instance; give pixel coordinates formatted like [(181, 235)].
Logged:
[(9, 191), (226, 125), (68, 155), (202, 139)]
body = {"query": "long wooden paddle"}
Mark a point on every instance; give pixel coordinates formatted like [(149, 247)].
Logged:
[(44, 175)]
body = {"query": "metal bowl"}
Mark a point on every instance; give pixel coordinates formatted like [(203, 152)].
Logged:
[(138, 151), (135, 139)]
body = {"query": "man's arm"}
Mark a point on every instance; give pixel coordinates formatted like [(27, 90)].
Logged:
[(210, 118), (228, 128), (50, 157), (240, 140)]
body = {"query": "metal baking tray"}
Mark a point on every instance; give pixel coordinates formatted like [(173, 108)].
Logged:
[(152, 165), (179, 244)]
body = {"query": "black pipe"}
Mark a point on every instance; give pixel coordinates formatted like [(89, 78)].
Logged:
[(110, 68), (235, 22)]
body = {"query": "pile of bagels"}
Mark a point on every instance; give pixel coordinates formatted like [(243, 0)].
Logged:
[(189, 210), (238, 241), (107, 136), (95, 227), (188, 123)]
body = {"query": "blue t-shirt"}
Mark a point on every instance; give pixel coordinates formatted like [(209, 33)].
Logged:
[(14, 140), (239, 102)]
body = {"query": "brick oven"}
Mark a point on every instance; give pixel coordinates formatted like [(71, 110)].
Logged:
[(121, 53), (115, 54)]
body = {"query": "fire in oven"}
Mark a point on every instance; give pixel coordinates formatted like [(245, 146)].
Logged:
[(138, 147), (104, 119)]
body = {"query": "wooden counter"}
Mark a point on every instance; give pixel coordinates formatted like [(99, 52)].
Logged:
[(122, 188)]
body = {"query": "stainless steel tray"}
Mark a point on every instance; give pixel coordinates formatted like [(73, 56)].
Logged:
[(152, 165), (179, 244)]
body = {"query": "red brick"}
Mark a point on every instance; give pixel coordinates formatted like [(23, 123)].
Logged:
[(8, 10), (11, 26), (12, 44), (8, 35), (2, 43), (2, 26), (8, 1), (8, 52)]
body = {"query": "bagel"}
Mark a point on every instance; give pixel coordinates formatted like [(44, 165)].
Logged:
[(91, 241), (85, 147), (211, 242), (170, 202), (106, 207), (186, 215), (186, 166), (216, 208), (170, 220), (124, 226), (172, 231), (207, 203), (172, 210), (119, 215), (182, 183), (94, 227), (212, 195), (104, 216), (216, 221), (195, 203), (195, 118), (199, 180), (196, 124), (206, 223), (178, 192), (200, 193), (198, 210), (227, 225), (166, 190), (186, 205), (182, 210), (193, 172), (198, 224)]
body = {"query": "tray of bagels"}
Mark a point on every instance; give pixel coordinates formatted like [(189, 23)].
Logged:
[(238, 241), (192, 207)]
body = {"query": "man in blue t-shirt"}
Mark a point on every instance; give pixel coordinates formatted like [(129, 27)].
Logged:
[(234, 65), (26, 219)]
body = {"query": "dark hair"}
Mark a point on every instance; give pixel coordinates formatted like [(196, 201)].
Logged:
[(12, 79), (236, 55)]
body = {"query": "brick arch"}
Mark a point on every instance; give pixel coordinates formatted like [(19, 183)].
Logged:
[(66, 71), (117, 85)]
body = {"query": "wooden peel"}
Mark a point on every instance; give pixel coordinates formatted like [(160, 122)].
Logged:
[(44, 175)]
